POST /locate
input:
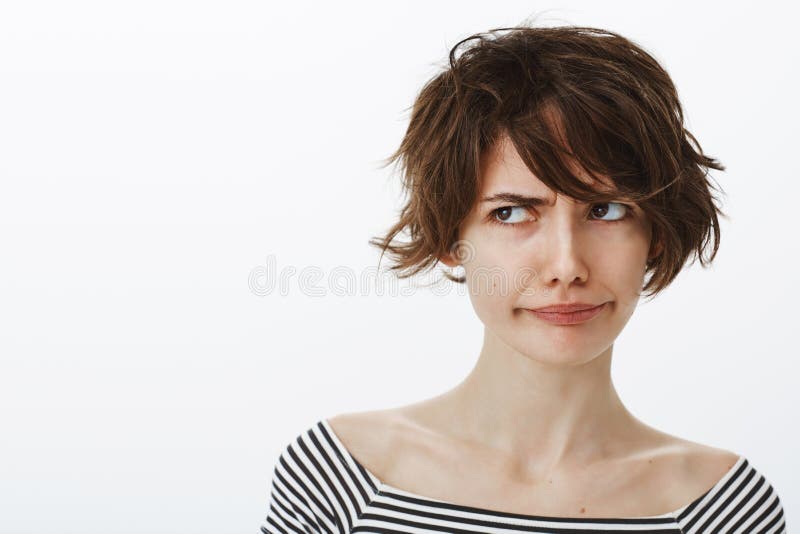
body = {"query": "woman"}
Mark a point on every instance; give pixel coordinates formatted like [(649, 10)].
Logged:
[(553, 167)]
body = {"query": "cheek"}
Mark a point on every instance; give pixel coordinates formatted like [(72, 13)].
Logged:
[(489, 305), (619, 263), (492, 285)]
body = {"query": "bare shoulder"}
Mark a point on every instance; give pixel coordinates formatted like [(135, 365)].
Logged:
[(709, 463), (693, 469), (668, 472), (368, 436)]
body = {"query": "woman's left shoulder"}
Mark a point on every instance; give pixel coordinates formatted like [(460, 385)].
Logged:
[(732, 493), (708, 463)]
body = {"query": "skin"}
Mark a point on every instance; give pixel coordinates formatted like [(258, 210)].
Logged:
[(538, 419), (553, 382)]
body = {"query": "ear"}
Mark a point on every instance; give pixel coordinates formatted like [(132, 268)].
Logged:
[(655, 250), (449, 260)]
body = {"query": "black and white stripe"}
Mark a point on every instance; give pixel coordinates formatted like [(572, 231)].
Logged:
[(319, 487), (742, 501)]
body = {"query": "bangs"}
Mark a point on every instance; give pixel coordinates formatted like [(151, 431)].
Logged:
[(580, 146), (593, 116)]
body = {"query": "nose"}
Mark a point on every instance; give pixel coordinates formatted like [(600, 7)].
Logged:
[(563, 255)]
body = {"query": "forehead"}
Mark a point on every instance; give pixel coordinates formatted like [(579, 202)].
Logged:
[(502, 167)]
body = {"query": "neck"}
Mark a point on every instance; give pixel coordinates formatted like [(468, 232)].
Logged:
[(549, 416)]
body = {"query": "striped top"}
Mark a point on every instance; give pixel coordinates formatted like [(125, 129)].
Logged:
[(319, 487)]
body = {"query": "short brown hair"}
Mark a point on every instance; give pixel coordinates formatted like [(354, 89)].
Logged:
[(560, 94)]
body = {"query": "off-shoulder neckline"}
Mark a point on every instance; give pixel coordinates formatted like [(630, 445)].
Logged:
[(384, 488)]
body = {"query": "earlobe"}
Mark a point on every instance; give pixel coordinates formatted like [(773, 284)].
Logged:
[(655, 251), (448, 260)]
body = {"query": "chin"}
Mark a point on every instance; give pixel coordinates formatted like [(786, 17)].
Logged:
[(556, 348)]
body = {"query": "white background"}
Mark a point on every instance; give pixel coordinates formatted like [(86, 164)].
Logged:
[(155, 154)]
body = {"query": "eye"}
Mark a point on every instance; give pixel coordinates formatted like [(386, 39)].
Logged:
[(515, 216), (617, 210), (506, 215)]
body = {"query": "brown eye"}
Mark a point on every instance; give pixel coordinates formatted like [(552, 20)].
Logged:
[(507, 215), (616, 210)]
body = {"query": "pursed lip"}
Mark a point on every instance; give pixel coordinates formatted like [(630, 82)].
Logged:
[(566, 307), (573, 317)]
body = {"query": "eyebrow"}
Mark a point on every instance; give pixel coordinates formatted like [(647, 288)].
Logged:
[(516, 198)]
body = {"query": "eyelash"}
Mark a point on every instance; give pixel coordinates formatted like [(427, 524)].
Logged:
[(493, 219)]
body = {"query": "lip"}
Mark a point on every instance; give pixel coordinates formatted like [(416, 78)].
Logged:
[(567, 314), (567, 307)]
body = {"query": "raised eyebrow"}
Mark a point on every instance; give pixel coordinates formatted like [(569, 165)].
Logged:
[(516, 198), (524, 200)]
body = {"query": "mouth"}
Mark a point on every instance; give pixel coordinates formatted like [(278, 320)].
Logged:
[(567, 318)]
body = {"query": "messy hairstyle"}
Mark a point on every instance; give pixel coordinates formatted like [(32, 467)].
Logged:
[(564, 96)]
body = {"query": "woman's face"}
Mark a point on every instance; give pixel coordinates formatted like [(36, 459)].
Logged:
[(519, 258)]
